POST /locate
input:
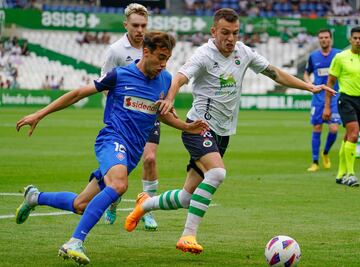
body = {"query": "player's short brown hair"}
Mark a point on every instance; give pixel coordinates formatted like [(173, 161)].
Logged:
[(227, 14), (158, 39), (325, 30)]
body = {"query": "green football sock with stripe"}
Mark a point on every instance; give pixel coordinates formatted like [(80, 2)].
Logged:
[(169, 200), (201, 199)]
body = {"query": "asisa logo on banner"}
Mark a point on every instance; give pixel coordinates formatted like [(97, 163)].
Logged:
[(69, 20)]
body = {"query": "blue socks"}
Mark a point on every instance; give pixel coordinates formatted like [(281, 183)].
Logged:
[(315, 144), (94, 211), (59, 200), (329, 142)]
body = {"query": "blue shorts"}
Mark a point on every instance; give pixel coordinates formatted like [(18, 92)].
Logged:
[(317, 111), (112, 150)]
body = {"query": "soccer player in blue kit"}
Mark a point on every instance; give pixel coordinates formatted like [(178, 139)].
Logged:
[(318, 64), (130, 114)]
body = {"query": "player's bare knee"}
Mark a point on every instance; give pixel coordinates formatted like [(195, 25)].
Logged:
[(79, 205), (119, 186)]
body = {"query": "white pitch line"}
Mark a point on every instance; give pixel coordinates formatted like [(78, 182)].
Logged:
[(52, 213), (64, 212), (21, 195)]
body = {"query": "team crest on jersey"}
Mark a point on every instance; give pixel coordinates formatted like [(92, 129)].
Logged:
[(207, 143), (120, 156), (227, 80), (128, 59), (237, 60), (140, 104)]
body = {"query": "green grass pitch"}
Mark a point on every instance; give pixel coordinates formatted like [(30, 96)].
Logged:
[(267, 192)]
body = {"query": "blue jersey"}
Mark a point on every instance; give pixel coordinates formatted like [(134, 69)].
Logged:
[(319, 65), (130, 111)]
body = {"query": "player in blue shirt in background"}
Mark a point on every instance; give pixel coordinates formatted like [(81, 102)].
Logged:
[(130, 114), (318, 64)]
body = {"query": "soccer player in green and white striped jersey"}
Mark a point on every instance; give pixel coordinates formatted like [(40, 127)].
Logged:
[(218, 68)]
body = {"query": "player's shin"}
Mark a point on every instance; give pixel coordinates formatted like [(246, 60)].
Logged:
[(342, 161), (350, 149), (58, 200), (94, 211), (201, 199)]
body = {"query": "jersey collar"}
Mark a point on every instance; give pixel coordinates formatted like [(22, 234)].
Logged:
[(126, 41)]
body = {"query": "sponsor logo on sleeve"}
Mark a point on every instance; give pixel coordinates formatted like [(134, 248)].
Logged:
[(140, 104)]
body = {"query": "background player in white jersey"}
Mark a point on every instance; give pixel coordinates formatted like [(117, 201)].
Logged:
[(121, 53), (318, 63), (218, 69)]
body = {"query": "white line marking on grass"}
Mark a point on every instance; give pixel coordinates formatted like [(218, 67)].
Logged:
[(52, 213), (64, 212), (21, 194)]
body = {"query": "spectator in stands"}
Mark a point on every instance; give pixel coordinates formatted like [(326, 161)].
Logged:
[(285, 35), (190, 7), (341, 8), (14, 41), (197, 39), (54, 85), (16, 50), (14, 84), (88, 38), (61, 83), (253, 11), (13, 71), (3, 59), (7, 84), (79, 38), (46, 83), (105, 38), (83, 81), (264, 37), (25, 49), (2, 82), (7, 45), (302, 38)]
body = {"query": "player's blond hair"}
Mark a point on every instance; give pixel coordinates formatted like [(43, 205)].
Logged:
[(135, 8)]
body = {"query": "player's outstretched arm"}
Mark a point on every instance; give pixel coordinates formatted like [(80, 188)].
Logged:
[(327, 110), (167, 104), (62, 102), (286, 79), (195, 127)]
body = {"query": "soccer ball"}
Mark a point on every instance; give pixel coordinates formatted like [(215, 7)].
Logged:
[(282, 250)]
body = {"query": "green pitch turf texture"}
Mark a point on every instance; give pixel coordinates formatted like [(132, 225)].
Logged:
[(267, 192)]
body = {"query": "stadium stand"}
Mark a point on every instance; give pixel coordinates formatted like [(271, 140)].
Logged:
[(24, 69), (279, 53), (284, 51)]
